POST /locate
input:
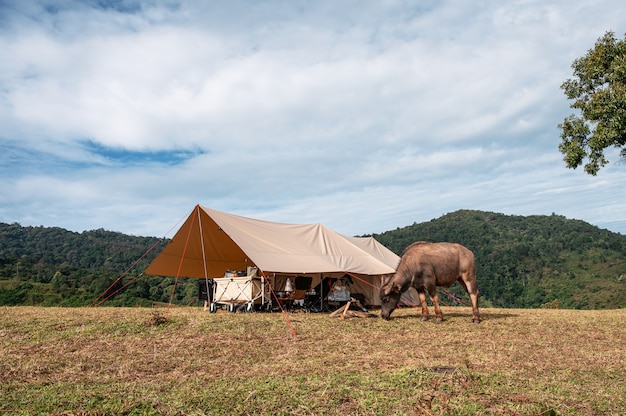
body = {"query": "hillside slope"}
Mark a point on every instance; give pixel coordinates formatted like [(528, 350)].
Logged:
[(531, 261), (522, 262), (52, 266)]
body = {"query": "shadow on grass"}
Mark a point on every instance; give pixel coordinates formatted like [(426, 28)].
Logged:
[(484, 316)]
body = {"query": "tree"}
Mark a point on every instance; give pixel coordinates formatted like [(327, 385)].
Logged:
[(599, 93)]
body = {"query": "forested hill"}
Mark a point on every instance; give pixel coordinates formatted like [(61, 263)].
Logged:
[(53, 266), (531, 261)]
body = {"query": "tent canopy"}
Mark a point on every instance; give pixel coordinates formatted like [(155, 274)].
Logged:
[(211, 242), (231, 242)]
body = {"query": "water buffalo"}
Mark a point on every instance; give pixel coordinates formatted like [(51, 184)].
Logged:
[(426, 266)]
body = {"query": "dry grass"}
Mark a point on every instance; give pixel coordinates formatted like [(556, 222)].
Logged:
[(129, 361)]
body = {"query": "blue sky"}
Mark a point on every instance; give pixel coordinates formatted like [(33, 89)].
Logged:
[(362, 115)]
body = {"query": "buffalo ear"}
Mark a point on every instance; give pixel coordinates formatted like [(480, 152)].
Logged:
[(397, 288)]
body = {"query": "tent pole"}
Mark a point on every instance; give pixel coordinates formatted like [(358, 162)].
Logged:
[(321, 292), (206, 274), (180, 265)]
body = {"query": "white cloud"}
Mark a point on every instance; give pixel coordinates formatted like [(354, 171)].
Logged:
[(363, 116)]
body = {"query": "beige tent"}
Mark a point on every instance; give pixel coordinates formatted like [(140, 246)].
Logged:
[(211, 242)]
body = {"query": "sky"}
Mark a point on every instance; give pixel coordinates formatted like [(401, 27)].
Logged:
[(365, 116)]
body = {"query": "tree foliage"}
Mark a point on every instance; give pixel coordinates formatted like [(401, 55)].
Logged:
[(530, 261), (55, 267), (598, 91), (522, 262)]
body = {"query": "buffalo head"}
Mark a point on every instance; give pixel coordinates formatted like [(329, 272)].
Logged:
[(389, 297)]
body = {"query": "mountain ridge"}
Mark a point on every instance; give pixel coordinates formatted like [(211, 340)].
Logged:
[(529, 261), (522, 261)]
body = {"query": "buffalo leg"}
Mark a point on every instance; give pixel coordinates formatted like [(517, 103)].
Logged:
[(435, 299), (424, 305), (474, 298), (472, 291)]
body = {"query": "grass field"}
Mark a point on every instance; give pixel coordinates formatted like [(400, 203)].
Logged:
[(96, 361)]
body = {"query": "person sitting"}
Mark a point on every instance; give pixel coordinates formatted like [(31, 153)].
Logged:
[(340, 291)]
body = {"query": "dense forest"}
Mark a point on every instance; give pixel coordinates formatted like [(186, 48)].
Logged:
[(56, 267), (535, 261), (531, 261)]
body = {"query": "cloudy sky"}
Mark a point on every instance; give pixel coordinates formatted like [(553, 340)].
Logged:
[(362, 115)]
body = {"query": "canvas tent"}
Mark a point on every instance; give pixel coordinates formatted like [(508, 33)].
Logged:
[(211, 242)]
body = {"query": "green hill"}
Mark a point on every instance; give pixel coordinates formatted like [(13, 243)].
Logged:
[(52, 266), (533, 261), (522, 262)]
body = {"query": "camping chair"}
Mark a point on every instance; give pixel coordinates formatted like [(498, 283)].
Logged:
[(317, 302), (298, 298), (302, 285), (303, 282)]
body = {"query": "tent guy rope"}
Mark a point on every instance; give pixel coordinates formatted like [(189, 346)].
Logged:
[(95, 303)]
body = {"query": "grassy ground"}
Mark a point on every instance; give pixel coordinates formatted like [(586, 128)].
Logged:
[(128, 361)]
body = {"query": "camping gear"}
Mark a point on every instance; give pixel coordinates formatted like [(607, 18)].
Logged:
[(205, 290), (340, 293), (210, 242), (235, 290)]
